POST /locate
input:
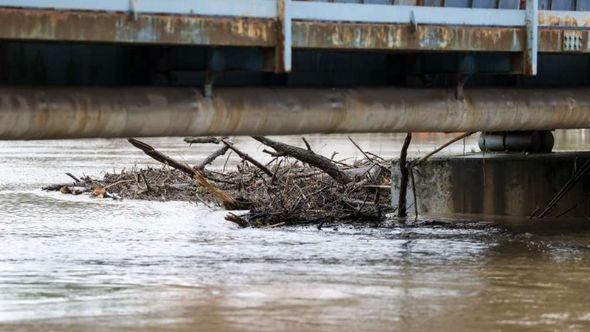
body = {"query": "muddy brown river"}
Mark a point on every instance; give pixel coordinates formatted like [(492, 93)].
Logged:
[(75, 263)]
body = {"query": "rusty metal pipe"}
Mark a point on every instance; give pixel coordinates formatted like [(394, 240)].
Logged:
[(529, 141), (64, 113)]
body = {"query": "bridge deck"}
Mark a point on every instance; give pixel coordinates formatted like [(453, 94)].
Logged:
[(461, 25)]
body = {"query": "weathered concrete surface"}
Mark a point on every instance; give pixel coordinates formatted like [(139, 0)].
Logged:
[(498, 187)]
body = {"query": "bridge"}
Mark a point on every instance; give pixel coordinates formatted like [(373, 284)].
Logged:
[(118, 68)]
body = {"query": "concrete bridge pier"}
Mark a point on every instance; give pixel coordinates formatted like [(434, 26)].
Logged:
[(501, 187)]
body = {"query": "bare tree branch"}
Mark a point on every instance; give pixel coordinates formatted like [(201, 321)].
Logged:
[(308, 157), (202, 140), (247, 158), (218, 153)]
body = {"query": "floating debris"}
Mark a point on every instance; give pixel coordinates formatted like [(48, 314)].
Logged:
[(298, 186)]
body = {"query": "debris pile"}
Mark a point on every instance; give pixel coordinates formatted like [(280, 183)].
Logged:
[(298, 186)]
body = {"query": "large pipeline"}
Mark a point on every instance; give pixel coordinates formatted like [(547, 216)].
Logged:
[(61, 113)]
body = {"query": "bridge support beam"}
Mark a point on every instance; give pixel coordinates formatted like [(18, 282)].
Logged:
[(508, 188), (62, 113)]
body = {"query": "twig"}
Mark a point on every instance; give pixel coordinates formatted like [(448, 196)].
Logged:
[(271, 161), (359, 148), (217, 153), (376, 156), (440, 148), (306, 144), (367, 156), (565, 189), (414, 193), (226, 160), (247, 158)]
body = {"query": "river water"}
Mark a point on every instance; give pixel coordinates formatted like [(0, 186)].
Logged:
[(80, 264)]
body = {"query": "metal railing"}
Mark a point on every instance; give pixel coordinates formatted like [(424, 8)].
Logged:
[(438, 18)]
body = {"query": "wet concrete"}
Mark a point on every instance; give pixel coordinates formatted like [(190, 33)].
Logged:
[(511, 187)]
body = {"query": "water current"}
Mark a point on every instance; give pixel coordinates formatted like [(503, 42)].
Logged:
[(80, 264)]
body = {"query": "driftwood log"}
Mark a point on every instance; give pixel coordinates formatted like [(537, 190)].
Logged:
[(307, 156)]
